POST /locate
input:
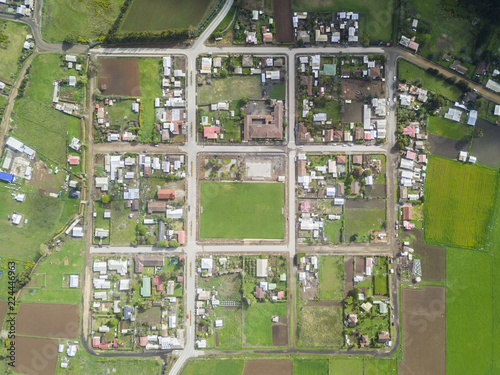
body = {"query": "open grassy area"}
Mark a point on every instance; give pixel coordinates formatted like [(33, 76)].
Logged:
[(258, 324), (68, 260), (449, 129), (88, 19), (378, 13), (229, 334), (278, 92), (332, 230), (361, 221), (469, 312), (413, 74), (241, 210), (459, 202), (214, 367), (346, 366), (151, 15), (331, 277), (223, 89), (320, 327), (310, 366), (123, 229), (9, 56), (150, 84)]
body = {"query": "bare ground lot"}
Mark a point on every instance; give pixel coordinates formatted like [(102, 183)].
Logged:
[(375, 191), (48, 320), (487, 148), (36, 356), (119, 77), (268, 367), (365, 203), (445, 147), (353, 112), (280, 334), (424, 331), (433, 258), (348, 275), (357, 89), (283, 19)]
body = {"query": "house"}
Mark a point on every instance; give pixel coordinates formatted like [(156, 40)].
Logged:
[(143, 261), (265, 126), (155, 206), (410, 130), (364, 341), (206, 263), (118, 265), (456, 65), (77, 232), (355, 187), (384, 336), (345, 73), (175, 213), (100, 267), (352, 320), (127, 312), (210, 132), (472, 118), (73, 160), (71, 81), (407, 211), (73, 281), (259, 293), (181, 237), (357, 159), (267, 37), (146, 287), (261, 267), (340, 159), (101, 233), (158, 283), (166, 194), (124, 285), (462, 156)]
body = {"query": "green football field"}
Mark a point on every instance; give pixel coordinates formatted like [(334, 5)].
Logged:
[(242, 210)]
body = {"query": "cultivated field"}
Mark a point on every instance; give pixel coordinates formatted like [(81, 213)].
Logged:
[(459, 202), (214, 367), (268, 367), (310, 367), (224, 89), (331, 277), (88, 19), (424, 331), (151, 15), (150, 86), (469, 312), (320, 326), (283, 14), (16, 33), (258, 325), (119, 77), (449, 129), (48, 320), (241, 210), (36, 356)]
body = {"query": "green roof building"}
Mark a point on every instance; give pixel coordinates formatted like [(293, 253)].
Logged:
[(146, 287), (329, 70)]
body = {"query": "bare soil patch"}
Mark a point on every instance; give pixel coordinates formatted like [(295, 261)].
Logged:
[(283, 19), (432, 258), (36, 356), (358, 89), (424, 331), (3, 311), (48, 320), (119, 77), (268, 367), (353, 112), (365, 203), (280, 334), (487, 148), (348, 275), (446, 147), (375, 191)]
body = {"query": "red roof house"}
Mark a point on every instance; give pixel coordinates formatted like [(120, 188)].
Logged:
[(166, 194), (96, 341), (73, 160), (305, 206), (210, 132), (143, 341), (181, 237)]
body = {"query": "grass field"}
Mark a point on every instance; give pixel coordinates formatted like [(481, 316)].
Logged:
[(459, 202), (449, 129), (320, 327), (150, 84), (361, 221), (123, 229), (88, 19), (241, 210), (310, 367), (331, 277), (224, 89), (230, 333), (494, 248), (258, 324), (16, 33), (378, 13), (380, 285), (469, 312), (214, 367), (69, 260), (151, 15), (414, 75), (278, 92), (332, 230)]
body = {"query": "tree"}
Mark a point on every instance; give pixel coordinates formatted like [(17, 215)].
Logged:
[(223, 74), (113, 322), (174, 243), (105, 198), (163, 243), (354, 237)]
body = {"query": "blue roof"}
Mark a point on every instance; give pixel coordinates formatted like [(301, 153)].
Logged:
[(7, 177)]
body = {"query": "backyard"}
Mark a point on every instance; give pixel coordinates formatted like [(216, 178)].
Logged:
[(223, 89), (331, 277), (15, 33), (258, 325), (241, 210), (150, 84), (359, 222)]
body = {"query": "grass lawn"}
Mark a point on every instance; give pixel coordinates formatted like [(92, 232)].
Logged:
[(49, 137), (152, 15), (214, 367), (16, 33), (380, 285), (258, 324), (230, 333), (380, 366), (459, 202), (361, 221), (88, 19), (123, 229), (449, 129), (469, 312), (414, 75), (331, 277), (332, 230), (224, 89), (84, 363), (320, 327), (100, 222), (278, 92), (332, 109), (69, 260), (241, 210), (120, 110), (150, 84), (310, 367), (378, 13), (349, 366)]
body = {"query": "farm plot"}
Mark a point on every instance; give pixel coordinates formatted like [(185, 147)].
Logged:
[(258, 325), (449, 129), (424, 331), (229, 335), (469, 312), (487, 148), (320, 326), (310, 367), (268, 367), (331, 272), (223, 89), (15, 33), (48, 320), (241, 210), (119, 77), (283, 15), (214, 367), (151, 15), (459, 202), (36, 355)]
